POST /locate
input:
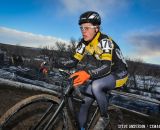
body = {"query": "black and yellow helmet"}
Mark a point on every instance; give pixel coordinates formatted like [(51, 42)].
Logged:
[(90, 17)]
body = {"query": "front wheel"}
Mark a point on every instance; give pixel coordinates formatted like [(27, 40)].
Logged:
[(26, 114)]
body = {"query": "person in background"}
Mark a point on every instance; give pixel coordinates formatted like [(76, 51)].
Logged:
[(44, 70)]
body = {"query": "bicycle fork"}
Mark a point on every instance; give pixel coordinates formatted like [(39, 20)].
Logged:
[(53, 117)]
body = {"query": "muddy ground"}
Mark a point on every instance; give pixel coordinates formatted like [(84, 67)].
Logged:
[(9, 96)]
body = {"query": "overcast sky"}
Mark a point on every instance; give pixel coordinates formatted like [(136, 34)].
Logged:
[(133, 24)]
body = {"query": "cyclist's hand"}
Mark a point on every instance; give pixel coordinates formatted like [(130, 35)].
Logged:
[(80, 77)]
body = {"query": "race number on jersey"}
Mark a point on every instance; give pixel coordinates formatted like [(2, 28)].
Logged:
[(106, 45)]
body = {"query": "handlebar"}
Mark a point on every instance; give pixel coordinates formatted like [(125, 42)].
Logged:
[(70, 89), (64, 72)]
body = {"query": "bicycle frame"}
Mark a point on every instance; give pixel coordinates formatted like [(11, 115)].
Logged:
[(60, 107), (66, 100)]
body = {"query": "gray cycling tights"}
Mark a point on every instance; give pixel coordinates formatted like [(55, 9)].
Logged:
[(98, 89)]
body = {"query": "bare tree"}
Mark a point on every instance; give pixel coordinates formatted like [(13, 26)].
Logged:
[(134, 69), (45, 52), (72, 47), (61, 46), (143, 76)]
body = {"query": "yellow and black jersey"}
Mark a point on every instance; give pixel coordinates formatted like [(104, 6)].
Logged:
[(104, 50), (100, 48)]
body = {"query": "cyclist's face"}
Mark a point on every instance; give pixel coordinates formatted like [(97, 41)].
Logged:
[(88, 31)]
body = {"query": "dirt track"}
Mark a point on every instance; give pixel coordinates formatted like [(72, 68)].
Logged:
[(9, 96)]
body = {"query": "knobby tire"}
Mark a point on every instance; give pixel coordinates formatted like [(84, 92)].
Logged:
[(26, 113)]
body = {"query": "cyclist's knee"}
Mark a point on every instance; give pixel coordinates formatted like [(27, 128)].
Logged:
[(96, 87)]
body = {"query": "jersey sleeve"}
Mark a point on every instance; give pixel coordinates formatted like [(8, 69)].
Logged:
[(106, 56), (107, 47), (101, 71), (80, 51), (69, 64)]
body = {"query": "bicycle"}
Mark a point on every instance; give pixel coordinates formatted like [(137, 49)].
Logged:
[(54, 112)]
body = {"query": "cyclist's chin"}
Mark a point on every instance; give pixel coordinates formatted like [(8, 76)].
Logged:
[(86, 39)]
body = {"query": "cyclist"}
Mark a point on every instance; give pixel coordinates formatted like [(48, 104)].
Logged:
[(111, 74), (43, 70)]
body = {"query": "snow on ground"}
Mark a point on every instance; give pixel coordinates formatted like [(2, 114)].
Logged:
[(146, 105)]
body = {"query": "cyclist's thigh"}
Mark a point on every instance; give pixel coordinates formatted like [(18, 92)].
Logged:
[(106, 83)]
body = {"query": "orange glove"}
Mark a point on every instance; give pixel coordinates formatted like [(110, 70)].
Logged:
[(79, 78)]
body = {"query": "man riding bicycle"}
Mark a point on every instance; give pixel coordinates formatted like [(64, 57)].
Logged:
[(111, 73)]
